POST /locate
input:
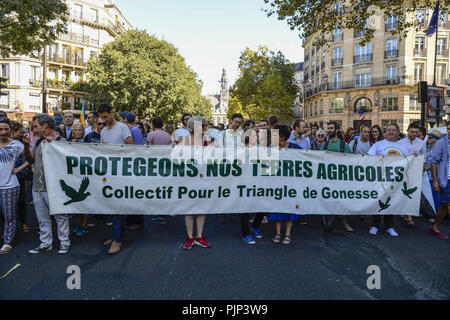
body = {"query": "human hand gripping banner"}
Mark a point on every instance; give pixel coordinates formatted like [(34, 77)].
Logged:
[(154, 180)]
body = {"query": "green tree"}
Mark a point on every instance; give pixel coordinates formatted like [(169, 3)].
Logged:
[(320, 17), (265, 86), (139, 73), (28, 25)]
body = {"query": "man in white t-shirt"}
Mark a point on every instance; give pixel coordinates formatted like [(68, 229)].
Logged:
[(362, 144), (412, 142), (232, 138), (388, 147), (114, 132)]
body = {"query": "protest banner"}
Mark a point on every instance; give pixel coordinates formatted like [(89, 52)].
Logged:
[(111, 179)]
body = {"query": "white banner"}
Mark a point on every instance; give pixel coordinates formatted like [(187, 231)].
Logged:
[(112, 179)]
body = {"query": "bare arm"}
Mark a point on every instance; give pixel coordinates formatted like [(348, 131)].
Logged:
[(129, 140), (23, 166), (435, 180), (26, 150)]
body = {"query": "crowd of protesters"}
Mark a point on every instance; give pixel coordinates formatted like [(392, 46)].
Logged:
[(22, 170)]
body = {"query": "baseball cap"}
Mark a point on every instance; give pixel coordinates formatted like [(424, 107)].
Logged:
[(127, 115)]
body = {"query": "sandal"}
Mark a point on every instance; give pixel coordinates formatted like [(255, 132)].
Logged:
[(277, 238), (25, 228), (287, 240)]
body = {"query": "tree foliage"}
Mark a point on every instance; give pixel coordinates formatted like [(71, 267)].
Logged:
[(137, 72), (265, 86), (319, 18), (28, 25)]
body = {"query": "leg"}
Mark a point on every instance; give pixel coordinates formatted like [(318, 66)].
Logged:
[(257, 221), (9, 207), (388, 221), (118, 226), (200, 221), (442, 212), (289, 224), (189, 222), (22, 204), (278, 227), (43, 217), (245, 224), (376, 221)]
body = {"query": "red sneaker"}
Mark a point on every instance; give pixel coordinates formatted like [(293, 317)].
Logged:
[(188, 244), (202, 242)]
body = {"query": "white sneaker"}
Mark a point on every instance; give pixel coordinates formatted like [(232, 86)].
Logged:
[(6, 248), (392, 232), (348, 228), (373, 231)]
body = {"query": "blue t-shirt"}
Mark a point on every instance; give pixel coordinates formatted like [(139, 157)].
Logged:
[(137, 135)]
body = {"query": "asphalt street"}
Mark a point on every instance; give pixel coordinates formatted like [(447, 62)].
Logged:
[(153, 265)]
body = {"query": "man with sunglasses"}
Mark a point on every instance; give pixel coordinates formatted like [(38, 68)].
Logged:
[(182, 132), (95, 135), (92, 119)]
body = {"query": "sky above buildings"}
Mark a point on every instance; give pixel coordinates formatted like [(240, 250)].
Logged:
[(211, 34)]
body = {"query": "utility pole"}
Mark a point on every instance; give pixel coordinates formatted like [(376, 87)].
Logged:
[(44, 82)]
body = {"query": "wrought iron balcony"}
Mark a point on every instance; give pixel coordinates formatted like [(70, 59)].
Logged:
[(337, 61), (362, 58), (389, 54)]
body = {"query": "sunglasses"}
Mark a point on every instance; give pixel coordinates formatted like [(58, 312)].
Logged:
[(101, 124), (321, 135)]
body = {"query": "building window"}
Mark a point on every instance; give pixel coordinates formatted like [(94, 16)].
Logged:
[(363, 54), (77, 11), (35, 73), (4, 71), (52, 74), (363, 80), (418, 72), (338, 35), (94, 15), (391, 23), (414, 104), (440, 73), (337, 56), (442, 47), (419, 47), (337, 80), (391, 74), (391, 48), (390, 104), (336, 105), (364, 104)]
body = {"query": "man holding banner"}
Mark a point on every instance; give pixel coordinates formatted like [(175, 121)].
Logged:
[(114, 133), (45, 125), (388, 147)]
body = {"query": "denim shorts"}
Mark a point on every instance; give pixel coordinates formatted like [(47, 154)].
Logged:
[(444, 194)]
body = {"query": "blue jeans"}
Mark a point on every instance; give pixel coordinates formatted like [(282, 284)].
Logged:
[(119, 230)]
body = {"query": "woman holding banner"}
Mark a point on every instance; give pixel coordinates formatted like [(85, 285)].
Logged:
[(195, 140), (283, 135), (10, 151)]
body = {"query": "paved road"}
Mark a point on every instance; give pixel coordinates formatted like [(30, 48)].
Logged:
[(317, 265)]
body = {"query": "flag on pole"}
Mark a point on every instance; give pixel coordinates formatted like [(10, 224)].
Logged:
[(83, 115), (432, 27)]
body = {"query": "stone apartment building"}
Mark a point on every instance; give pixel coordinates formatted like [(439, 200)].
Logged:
[(376, 83), (91, 25)]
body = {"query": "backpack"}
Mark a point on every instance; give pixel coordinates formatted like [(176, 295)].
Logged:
[(342, 146)]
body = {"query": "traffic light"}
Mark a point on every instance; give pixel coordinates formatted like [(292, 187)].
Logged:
[(423, 92), (3, 82)]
